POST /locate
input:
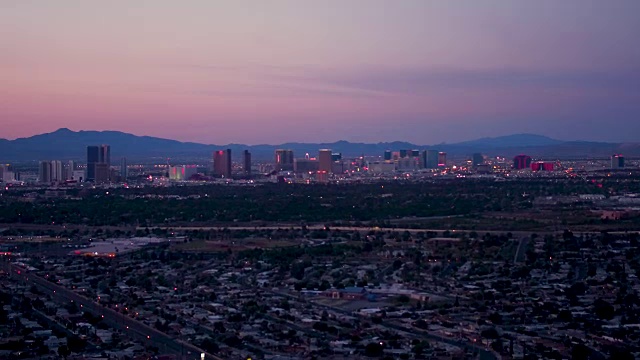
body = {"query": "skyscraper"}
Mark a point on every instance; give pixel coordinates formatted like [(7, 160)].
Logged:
[(430, 159), (521, 162), (93, 157), (246, 157), (478, 159), (324, 157), (617, 161), (44, 172), (98, 155), (442, 159), (387, 155), (284, 160), (56, 171), (222, 163), (105, 155)]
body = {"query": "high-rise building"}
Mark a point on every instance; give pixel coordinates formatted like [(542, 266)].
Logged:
[(430, 159), (415, 153), (98, 155), (56, 171), (44, 172), (284, 160), (617, 161), (403, 153), (246, 163), (542, 166), (336, 156), (387, 155), (521, 162), (69, 169), (222, 163), (478, 159), (324, 157), (105, 155), (442, 159), (124, 170), (93, 157)]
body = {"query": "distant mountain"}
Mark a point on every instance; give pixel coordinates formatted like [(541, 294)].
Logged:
[(65, 144), (511, 141)]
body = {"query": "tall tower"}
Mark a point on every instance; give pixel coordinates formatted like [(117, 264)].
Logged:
[(521, 162), (442, 159), (284, 160), (105, 155), (246, 157), (56, 171), (44, 172), (93, 157), (222, 163), (324, 157), (387, 155)]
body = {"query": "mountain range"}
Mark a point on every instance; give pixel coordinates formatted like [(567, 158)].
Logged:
[(65, 144)]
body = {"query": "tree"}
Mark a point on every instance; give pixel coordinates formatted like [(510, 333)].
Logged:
[(374, 349), (64, 351)]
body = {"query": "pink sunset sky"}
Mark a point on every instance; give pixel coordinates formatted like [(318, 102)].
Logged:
[(294, 70)]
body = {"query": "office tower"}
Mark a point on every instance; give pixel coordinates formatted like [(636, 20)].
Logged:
[(324, 157), (44, 172), (124, 170), (105, 155), (93, 157), (336, 156), (387, 155), (415, 153), (56, 171), (430, 159), (617, 161), (521, 162), (478, 159), (246, 161), (403, 153), (442, 159), (222, 163), (3, 170), (284, 160)]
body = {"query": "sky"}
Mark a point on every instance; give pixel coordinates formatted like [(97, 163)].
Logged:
[(240, 71)]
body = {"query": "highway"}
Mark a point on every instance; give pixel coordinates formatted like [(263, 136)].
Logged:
[(136, 330)]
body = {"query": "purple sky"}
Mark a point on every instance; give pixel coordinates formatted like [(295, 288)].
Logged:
[(294, 70)]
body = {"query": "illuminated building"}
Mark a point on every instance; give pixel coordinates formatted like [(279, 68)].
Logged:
[(617, 161), (430, 159), (222, 163), (541, 166), (521, 162), (442, 159), (387, 155), (284, 160), (324, 157), (182, 173)]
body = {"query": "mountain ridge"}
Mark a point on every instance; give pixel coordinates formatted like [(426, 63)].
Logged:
[(68, 144)]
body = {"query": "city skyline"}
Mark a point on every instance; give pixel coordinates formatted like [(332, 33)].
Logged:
[(362, 71)]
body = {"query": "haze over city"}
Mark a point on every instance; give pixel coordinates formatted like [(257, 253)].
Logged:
[(278, 71)]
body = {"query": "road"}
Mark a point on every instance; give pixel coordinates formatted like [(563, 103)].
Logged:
[(128, 326)]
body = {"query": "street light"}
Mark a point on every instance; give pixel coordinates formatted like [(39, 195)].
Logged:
[(201, 356)]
